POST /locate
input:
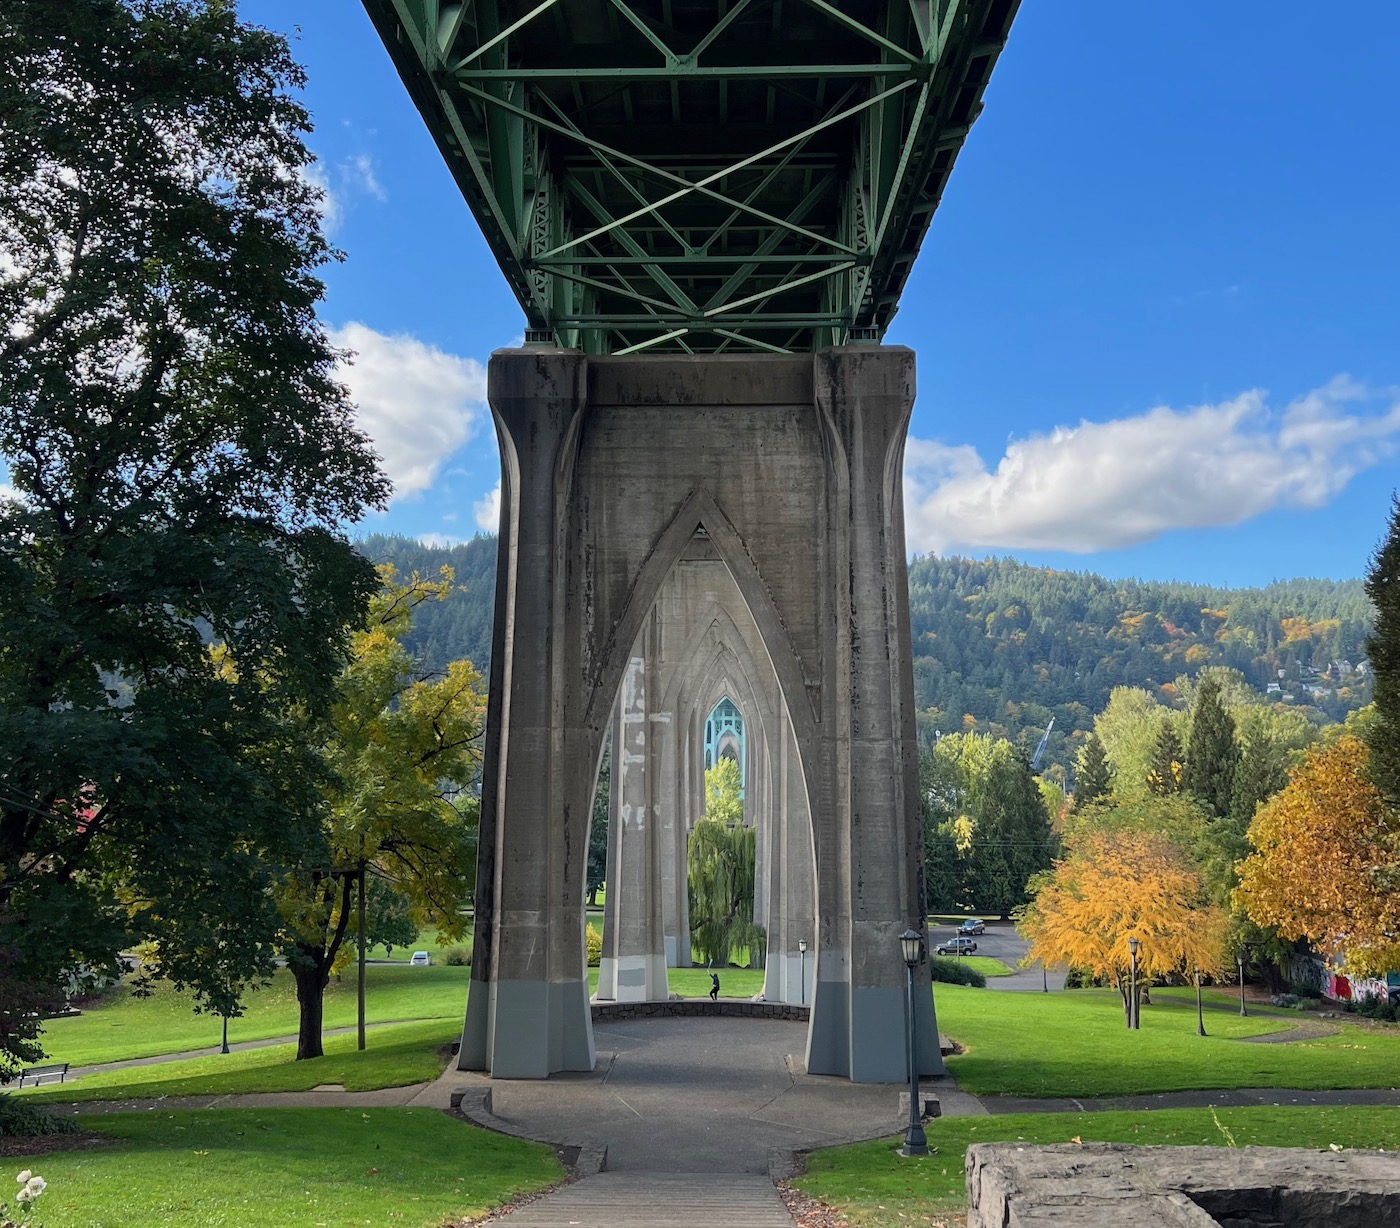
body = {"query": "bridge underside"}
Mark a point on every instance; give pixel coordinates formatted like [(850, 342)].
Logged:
[(700, 175)]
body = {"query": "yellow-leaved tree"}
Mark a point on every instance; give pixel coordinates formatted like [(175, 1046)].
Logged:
[(403, 745), (1323, 848), (1116, 884)]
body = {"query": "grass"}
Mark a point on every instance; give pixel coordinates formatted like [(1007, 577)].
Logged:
[(695, 982), (987, 965), (124, 1026), (286, 1168), (875, 1188), (394, 1056), (1075, 1044)]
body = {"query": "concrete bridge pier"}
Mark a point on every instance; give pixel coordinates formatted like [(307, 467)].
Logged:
[(791, 465)]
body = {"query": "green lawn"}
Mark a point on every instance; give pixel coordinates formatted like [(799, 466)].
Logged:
[(695, 982), (1075, 1044), (394, 1056), (286, 1168), (987, 965), (125, 1026), (877, 1189)]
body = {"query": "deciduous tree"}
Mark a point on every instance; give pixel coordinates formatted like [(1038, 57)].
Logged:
[(721, 869), (1119, 884), (182, 456), (1319, 869), (401, 751)]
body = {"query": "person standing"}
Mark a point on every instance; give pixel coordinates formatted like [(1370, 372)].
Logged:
[(714, 986)]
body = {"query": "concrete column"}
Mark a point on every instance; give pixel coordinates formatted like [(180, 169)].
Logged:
[(527, 1009), (864, 397), (790, 920), (633, 967)]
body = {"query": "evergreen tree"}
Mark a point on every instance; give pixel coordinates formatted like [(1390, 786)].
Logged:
[(1383, 587), (1212, 754), (1094, 781), (1261, 774), (1168, 762)]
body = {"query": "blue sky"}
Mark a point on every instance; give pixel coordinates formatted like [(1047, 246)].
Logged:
[(1156, 314)]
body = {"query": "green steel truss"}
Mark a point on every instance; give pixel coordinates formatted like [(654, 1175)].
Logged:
[(700, 175)]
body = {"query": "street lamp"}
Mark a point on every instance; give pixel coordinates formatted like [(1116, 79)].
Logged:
[(802, 951), (915, 1144), (1133, 945), (1200, 1018), (225, 1048), (1240, 956)]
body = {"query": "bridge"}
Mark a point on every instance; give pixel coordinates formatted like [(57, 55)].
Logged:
[(700, 176), (707, 210)]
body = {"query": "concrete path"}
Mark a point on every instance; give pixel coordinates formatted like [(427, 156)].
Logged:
[(657, 1200)]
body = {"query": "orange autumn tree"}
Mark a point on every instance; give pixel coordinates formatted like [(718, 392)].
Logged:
[(1323, 847), (1118, 884)]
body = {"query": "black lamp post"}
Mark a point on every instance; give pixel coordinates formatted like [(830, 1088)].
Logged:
[(1133, 945), (1240, 956), (915, 1144), (802, 951), (225, 1048), (1200, 1018), (1044, 978)]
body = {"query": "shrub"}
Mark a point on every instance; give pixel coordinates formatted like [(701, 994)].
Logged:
[(593, 937), (20, 1119), (955, 972), (1372, 1007), (458, 957), (1082, 978)]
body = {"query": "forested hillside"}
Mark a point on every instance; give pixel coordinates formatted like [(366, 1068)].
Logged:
[(1001, 647)]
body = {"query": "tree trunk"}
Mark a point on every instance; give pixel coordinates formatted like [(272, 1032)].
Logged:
[(311, 980)]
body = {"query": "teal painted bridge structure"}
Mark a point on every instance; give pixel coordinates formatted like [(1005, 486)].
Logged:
[(700, 176)]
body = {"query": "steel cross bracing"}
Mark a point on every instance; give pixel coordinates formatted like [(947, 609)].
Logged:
[(700, 175)]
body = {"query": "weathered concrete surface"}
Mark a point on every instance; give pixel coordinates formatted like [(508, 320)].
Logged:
[(1101, 1185), (792, 465)]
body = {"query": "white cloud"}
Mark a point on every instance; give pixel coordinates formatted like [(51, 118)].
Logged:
[(329, 205), (487, 510), (359, 171), (1108, 485), (439, 540), (417, 403)]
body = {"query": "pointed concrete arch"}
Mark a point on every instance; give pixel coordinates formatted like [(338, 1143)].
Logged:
[(790, 464)]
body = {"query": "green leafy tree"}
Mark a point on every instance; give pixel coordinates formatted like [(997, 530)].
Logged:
[(401, 749), (1127, 727), (1168, 762), (1383, 733), (1212, 754), (1095, 779), (939, 800), (1261, 773), (979, 791), (388, 915), (174, 593), (721, 868), (724, 793)]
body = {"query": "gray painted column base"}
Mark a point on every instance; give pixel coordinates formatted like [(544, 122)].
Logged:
[(540, 1029), (471, 1054)]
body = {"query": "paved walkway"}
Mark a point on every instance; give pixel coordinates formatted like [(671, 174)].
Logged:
[(657, 1200)]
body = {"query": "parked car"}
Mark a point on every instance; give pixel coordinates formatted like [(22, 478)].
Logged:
[(956, 946), (973, 925), (419, 959)]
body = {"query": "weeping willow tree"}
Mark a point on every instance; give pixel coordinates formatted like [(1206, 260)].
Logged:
[(721, 870)]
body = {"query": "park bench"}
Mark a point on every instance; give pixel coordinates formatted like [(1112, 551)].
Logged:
[(58, 1071)]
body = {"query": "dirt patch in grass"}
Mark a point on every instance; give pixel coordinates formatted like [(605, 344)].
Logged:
[(43, 1144)]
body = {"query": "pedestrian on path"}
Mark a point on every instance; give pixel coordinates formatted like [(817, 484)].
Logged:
[(714, 986)]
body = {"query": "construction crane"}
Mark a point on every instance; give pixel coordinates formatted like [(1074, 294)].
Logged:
[(1040, 750)]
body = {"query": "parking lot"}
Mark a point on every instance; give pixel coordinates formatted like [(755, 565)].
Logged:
[(1001, 941)]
